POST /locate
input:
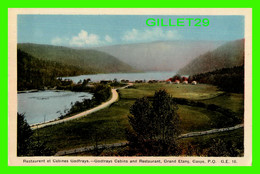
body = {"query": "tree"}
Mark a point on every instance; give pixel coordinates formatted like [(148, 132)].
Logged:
[(79, 82), (85, 82), (27, 144), (24, 133), (155, 125), (176, 77), (226, 148)]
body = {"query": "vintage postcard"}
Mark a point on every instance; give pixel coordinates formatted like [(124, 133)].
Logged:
[(130, 87)]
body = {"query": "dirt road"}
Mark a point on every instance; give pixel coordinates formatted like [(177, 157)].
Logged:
[(113, 99)]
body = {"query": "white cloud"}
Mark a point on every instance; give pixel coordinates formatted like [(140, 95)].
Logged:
[(82, 39), (150, 35), (108, 39)]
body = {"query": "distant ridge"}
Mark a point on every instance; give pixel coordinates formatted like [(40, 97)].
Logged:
[(91, 61), (226, 56), (160, 55)]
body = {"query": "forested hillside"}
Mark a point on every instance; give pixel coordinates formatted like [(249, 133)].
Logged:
[(227, 79), (226, 56), (91, 61), (34, 73)]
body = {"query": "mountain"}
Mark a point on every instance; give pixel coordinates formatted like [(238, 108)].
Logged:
[(34, 73), (91, 61), (160, 55), (226, 56)]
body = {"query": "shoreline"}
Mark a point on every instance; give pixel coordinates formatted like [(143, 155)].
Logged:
[(114, 98)]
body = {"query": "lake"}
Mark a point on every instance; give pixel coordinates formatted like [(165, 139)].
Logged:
[(127, 76), (47, 105)]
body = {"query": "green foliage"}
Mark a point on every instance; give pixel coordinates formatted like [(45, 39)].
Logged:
[(109, 123), (24, 133), (229, 143), (227, 79), (155, 125), (176, 77), (117, 84), (221, 148), (27, 144), (34, 73), (101, 94)]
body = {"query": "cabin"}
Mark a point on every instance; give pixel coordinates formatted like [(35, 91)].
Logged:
[(185, 79), (176, 82), (194, 83), (170, 79)]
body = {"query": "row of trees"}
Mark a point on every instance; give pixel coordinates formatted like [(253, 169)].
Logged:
[(100, 92), (227, 79)]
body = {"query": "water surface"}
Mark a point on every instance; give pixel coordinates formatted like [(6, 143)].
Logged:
[(127, 76), (44, 106), (47, 105)]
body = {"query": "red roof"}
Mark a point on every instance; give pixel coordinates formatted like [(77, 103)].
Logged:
[(169, 80)]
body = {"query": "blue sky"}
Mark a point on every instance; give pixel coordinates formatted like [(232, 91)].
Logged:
[(100, 30)]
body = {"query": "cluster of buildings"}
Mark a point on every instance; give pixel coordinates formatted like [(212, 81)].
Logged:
[(183, 80), (173, 80)]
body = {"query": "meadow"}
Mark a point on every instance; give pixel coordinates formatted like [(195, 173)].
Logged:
[(108, 125)]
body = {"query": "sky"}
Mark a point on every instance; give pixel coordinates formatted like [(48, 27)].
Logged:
[(102, 30)]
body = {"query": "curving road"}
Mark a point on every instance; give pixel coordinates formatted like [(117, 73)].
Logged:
[(113, 99)]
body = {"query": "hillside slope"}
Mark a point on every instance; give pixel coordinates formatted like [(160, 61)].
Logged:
[(226, 56), (160, 55), (91, 61), (34, 73), (227, 79)]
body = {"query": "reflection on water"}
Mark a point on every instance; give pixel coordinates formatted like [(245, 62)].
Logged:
[(47, 105)]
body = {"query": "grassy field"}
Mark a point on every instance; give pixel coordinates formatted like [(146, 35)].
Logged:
[(108, 125), (102, 127), (232, 101), (190, 115), (192, 92)]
